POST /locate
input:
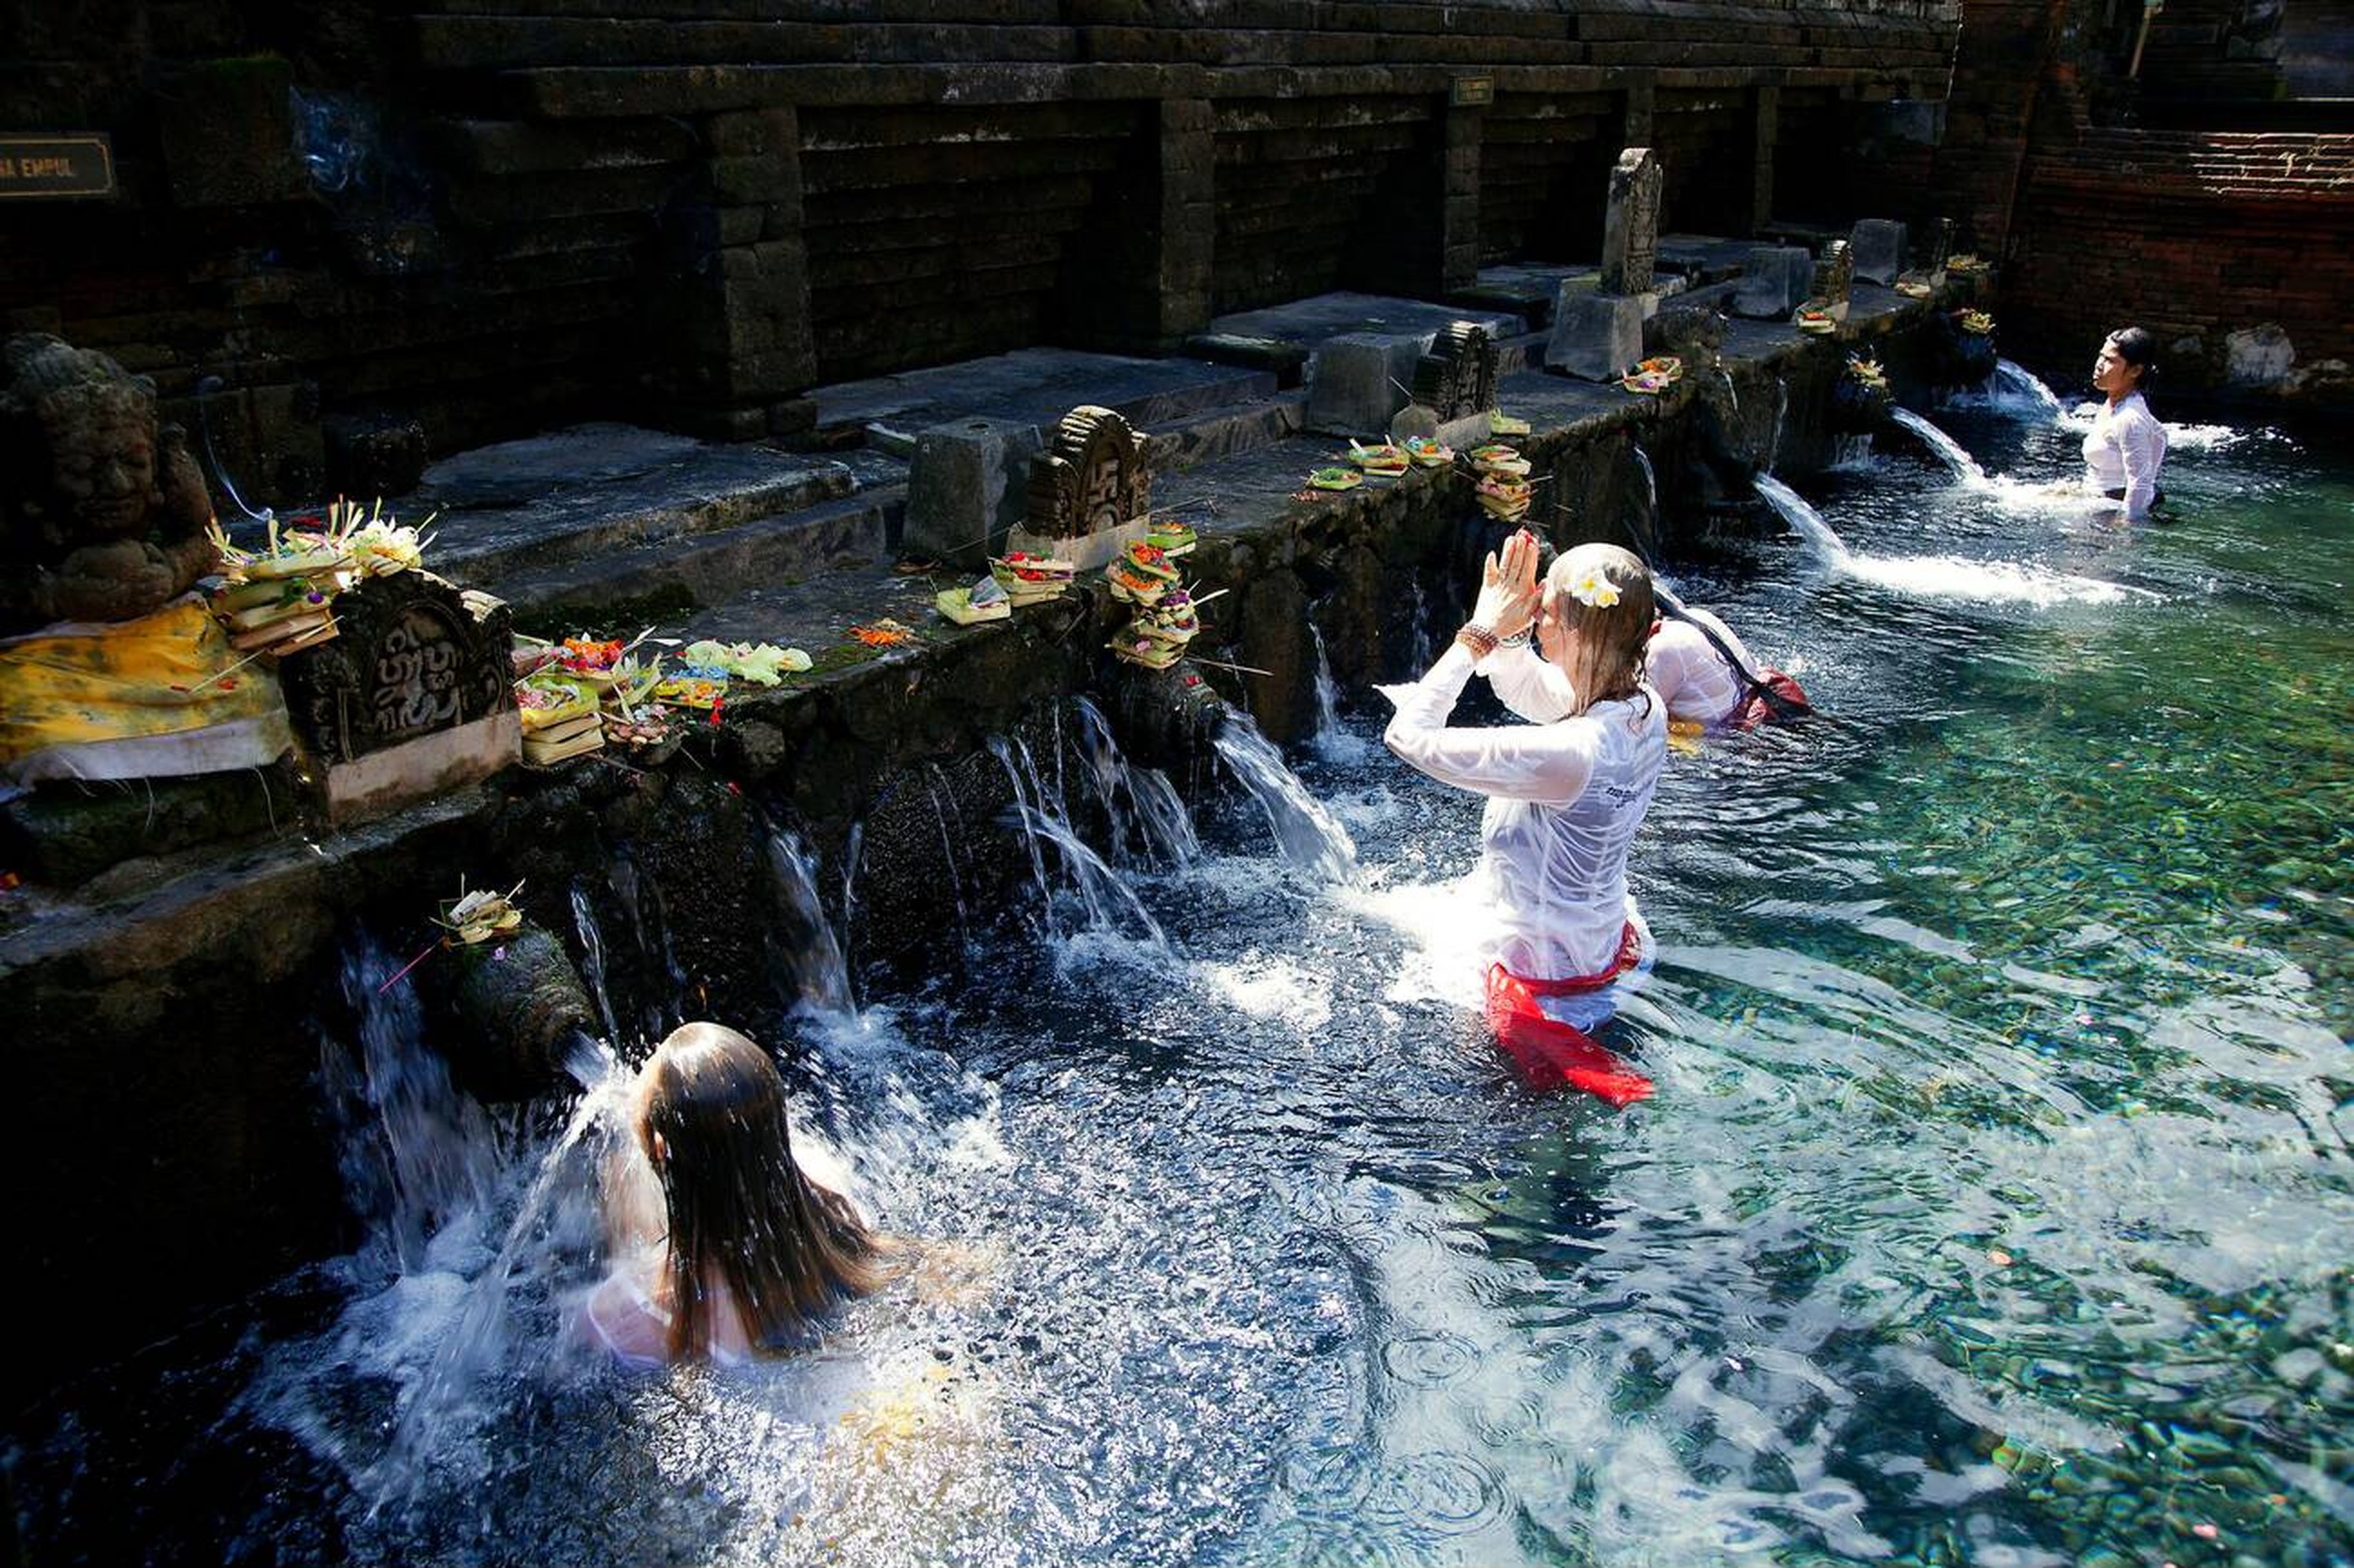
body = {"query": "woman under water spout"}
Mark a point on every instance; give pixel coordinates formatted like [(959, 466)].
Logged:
[(724, 1245), (1563, 802), (2128, 445)]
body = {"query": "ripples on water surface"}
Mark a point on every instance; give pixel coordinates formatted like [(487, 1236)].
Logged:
[(1994, 1207)]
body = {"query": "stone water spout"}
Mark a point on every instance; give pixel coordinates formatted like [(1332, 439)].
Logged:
[(518, 1009), (1168, 719)]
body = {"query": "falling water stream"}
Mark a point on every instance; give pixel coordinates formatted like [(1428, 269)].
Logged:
[(1306, 834), (1939, 577), (1949, 451), (1995, 1206), (1330, 739)]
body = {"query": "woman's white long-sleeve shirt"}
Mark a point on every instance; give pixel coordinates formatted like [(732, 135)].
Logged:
[(2125, 450), (1563, 802), (1688, 675)]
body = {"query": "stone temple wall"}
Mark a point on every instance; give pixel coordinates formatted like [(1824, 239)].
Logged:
[(492, 215)]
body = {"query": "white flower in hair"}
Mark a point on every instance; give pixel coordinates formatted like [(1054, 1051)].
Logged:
[(1594, 590)]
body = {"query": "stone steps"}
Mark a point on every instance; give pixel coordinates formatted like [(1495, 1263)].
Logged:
[(1221, 432), (525, 507), (709, 567), (1033, 387)]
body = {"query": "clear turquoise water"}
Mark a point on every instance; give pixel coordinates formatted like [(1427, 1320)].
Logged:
[(1995, 1206)]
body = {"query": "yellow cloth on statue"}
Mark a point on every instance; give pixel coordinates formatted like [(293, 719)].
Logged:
[(161, 695)]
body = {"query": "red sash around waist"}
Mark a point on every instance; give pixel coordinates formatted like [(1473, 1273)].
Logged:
[(1551, 1054)]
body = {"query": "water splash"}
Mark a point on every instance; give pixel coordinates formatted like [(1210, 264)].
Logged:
[(1307, 835), (1849, 454), (1938, 577), (592, 954), (2012, 391), (810, 962), (1827, 550), (937, 786), (2014, 384), (556, 1221), (1418, 653), (1331, 738), (854, 856), (1651, 480), (1162, 820), (1100, 893), (1949, 451), (1024, 813), (416, 1151), (1149, 823)]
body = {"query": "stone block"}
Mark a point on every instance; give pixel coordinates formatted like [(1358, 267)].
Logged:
[(754, 179), (2259, 356), (967, 486), (374, 455), (227, 131), (1358, 380), (745, 132), (1594, 336), (383, 781), (1879, 247), (1774, 282)]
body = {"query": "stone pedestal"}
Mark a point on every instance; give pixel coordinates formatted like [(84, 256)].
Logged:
[(384, 781), (1463, 434), (1595, 336), (1774, 282), (966, 487), (1879, 247), (1088, 552), (1358, 380)]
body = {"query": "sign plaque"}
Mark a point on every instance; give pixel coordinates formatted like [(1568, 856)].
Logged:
[(62, 166)]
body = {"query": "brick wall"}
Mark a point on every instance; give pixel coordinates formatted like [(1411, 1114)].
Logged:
[(1313, 194), (1544, 174), (940, 234), (1707, 137), (2193, 235)]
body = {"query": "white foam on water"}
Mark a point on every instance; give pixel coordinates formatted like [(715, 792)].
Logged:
[(2179, 437), (1989, 582), (1265, 986), (1450, 928), (1940, 577)]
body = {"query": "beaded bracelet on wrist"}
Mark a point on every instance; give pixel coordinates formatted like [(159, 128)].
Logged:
[(1479, 639)]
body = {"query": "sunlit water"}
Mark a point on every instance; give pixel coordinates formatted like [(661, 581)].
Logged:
[(1994, 1207)]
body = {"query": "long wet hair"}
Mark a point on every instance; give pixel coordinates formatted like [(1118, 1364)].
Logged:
[(711, 1117), (1605, 653)]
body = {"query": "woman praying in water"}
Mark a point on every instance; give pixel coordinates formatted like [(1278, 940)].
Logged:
[(725, 1244), (1564, 799), (2126, 447)]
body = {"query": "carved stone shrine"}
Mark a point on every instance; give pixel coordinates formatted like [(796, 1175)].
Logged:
[(102, 510), (1090, 490), (413, 695), (1631, 224), (1457, 378)]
